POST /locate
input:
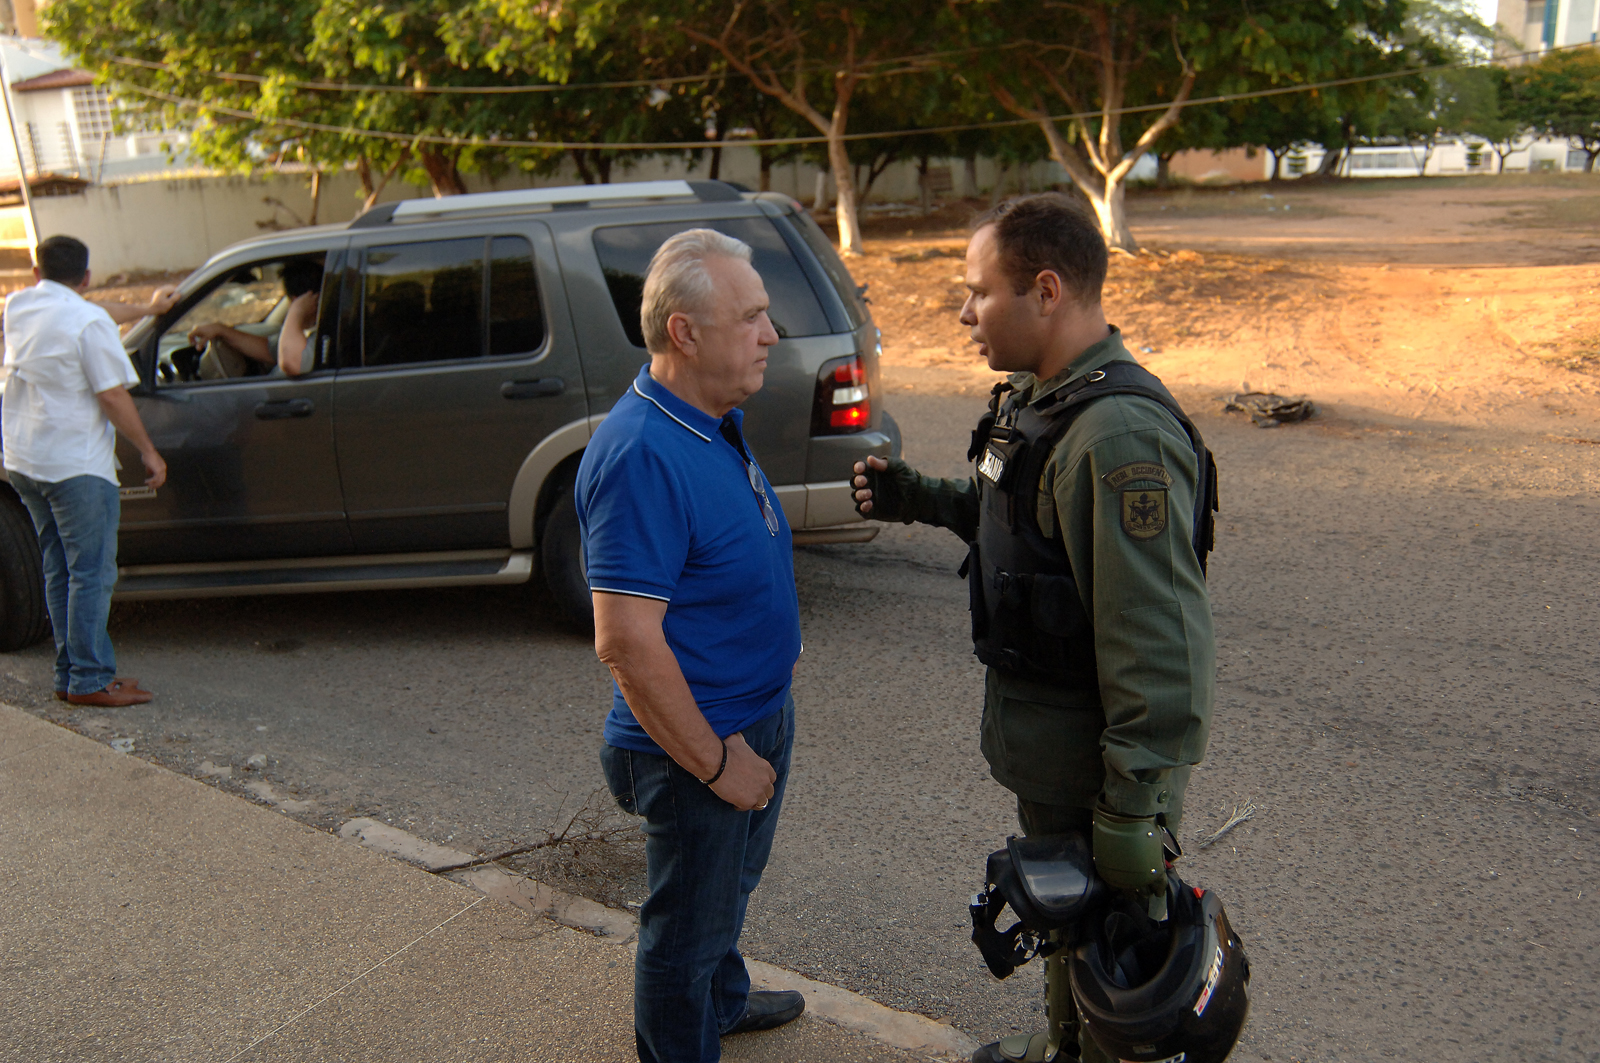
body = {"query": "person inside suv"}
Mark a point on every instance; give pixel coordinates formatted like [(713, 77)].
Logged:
[(288, 349)]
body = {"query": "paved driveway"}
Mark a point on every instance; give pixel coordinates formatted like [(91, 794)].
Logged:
[(1407, 689)]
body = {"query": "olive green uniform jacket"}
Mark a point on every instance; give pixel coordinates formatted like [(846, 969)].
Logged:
[(1129, 745)]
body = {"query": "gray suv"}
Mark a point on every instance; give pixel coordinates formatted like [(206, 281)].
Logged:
[(464, 350)]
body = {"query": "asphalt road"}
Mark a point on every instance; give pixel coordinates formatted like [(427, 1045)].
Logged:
[(1407, 692)]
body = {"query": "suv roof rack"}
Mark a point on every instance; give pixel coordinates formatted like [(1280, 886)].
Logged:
[(563, 198)]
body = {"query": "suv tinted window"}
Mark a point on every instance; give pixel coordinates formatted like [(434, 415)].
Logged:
[(625, 253), (849, 293), (516, 320), (424, 302)]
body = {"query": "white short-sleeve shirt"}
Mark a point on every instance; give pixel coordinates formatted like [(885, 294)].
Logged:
[(61, 351)]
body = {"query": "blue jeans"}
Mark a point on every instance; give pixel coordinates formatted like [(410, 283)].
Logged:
[(704, 858), (77, 524)]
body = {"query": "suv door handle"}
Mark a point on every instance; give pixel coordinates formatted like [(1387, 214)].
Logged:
[(533, 389), (285, 408)]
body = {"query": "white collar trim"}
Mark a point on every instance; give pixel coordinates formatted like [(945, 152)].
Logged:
[(669, 413)]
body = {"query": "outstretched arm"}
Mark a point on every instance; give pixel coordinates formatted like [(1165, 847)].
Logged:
[(161, 300), (891, 490)]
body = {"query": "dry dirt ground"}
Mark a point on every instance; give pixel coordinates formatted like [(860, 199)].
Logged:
[(1469, 301)]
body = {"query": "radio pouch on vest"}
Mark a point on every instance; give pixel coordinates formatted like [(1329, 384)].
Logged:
[(1050, 883)]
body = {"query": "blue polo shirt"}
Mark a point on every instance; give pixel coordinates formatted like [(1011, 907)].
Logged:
[(668, 512)]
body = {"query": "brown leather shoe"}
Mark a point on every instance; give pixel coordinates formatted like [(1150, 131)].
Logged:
[(118, 694), (125, 680)]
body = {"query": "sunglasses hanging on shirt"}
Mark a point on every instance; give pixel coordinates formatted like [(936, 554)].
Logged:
[(757, 482)]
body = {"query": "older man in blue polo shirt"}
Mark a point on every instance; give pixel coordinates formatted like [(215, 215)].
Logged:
[(690, 566)]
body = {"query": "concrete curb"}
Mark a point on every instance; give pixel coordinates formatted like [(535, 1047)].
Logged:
[(897, 1029)]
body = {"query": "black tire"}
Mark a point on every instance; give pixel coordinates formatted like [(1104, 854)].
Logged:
[(561, 562), (23, 618)]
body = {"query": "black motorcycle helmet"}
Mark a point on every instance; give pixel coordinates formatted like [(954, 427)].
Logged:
[(1150, 992)]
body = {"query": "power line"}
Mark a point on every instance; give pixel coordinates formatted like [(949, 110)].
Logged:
[(761, 142), (510, 90)]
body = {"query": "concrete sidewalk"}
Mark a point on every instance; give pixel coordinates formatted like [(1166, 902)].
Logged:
[(146, 916)]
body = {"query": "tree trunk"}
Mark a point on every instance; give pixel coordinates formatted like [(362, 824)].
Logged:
[(316, 195), (922, 185), (364, 172), (972, 175), (843, 187), (766, 170), (1104, 191), (1333, 156), (373, 191), (1114, 218), (1101, 167), (1277, 164), (603, 164), (1164, 169), (443, 177), (580, 159), (819, 196), (715, 171)]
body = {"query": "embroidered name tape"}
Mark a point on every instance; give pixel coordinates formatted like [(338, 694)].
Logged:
[(1137, 470)]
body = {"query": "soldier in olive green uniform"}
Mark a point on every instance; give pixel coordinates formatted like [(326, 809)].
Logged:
[(1088, 518)]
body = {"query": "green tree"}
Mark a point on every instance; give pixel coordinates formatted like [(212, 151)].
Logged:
[(578, 47), (814, 56), (178, 49), (1559, 96), (1434, 104), (1498, 124), (1102, 59)]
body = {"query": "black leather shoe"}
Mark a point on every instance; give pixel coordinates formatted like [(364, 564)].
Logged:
[(769, 1008)]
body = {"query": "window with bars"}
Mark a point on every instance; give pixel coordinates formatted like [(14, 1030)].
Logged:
[(91, 104)]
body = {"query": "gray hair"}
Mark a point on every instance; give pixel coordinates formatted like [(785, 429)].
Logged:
[(678, 281)]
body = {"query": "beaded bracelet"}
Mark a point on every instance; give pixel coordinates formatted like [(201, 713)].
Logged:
[(721, 767)]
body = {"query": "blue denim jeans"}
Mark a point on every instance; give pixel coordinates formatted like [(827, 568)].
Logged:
[(77, 524), (704, 858)]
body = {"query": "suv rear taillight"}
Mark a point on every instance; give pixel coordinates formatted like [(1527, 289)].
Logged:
[(843, 403)]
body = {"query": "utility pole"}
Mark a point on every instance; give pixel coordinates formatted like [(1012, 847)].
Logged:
[(29, 219)]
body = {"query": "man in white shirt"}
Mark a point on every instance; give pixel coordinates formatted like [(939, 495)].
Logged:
[(66, 396)]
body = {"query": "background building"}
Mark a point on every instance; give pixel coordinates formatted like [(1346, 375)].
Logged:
[(1537, 25), (66, 123)]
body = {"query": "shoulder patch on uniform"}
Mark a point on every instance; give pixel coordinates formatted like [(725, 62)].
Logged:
[(1144, 514), (1137, 470)]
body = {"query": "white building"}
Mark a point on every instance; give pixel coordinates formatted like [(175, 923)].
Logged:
[(65, 123), (1541, 24)]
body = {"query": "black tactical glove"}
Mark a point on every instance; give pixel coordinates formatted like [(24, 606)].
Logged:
[(1130, 853), (896, 491)]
